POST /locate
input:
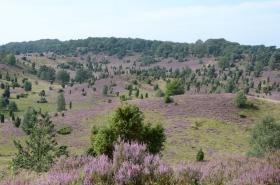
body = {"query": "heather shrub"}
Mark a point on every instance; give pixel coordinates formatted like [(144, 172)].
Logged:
[(132, 164), (99, 170), (188, 174)]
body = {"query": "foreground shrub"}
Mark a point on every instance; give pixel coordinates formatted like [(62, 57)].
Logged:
[(133, 165), (265, 136), (40, 149), (128, 125)]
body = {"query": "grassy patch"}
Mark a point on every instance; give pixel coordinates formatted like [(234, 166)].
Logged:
[(213, 136), (264, 107)]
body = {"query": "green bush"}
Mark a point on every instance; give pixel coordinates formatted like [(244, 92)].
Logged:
[(175, 87), (240, 99), (61, 104), (168, 99), (265, 136), (40, 150), (159, 93), (65, 130), (13, 106), (200, 155), (127, 124), (27, 86)]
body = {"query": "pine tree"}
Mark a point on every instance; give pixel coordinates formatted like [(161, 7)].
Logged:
[(41, 149), (2, 118), (137, 93), (28, 120), (200, 155), (61, 102), (70, 105)]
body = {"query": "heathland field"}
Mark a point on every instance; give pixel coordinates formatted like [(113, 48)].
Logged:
[(184, 103)]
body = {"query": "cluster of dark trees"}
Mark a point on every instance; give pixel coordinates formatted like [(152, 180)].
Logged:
[(227, 51), (7, 58)]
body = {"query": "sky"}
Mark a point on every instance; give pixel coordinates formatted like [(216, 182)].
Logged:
[(251, 22)]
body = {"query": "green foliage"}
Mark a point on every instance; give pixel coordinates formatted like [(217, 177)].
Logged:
[(146, 60), (103, 142), (159, 93), (82, 75), (2, 118), (240, 99), (62, 77), (265, 136), (65, 130), (46, 73), (224, 62), (154, 137), (175, 87), (40, 149), (274, 61), (258, 68), (168, 99), (6, 93), (3, 103), (13, 106), (127, 125), (10, 59), (61, 104), (121, 46), (27, 86), (230, 86), (29, 118), (105, 90), (127, 122), (200, 155), (17, 122)]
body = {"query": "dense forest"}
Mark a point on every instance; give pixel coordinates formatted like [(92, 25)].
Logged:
[(126, 46)]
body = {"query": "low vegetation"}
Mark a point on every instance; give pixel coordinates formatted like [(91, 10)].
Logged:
[(112, 111)]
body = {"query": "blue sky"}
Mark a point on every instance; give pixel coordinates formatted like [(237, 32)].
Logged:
[(247, 22)]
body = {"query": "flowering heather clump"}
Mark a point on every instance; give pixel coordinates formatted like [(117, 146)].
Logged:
[(59, 177), (133, 165), (129, 173), (236, 171), (99, 170), (72, 163), (133, 152), (188, 173), (259, 175)]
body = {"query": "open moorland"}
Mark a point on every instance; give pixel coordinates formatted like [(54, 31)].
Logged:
[(207, 96)]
